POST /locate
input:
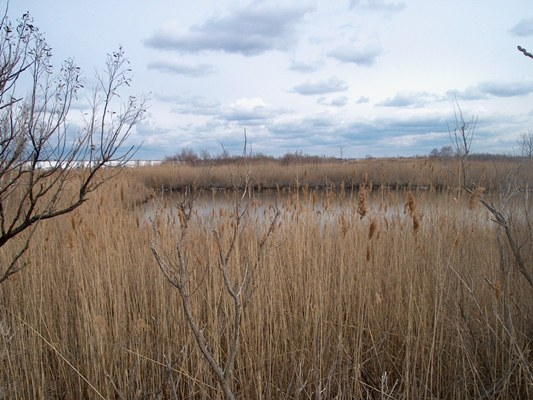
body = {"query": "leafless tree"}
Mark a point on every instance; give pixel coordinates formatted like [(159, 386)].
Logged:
[(46, 168), (444, 152), (509, 189), (525, 145), (461, 137)]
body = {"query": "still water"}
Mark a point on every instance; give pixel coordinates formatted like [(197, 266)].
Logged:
[(326, 207)]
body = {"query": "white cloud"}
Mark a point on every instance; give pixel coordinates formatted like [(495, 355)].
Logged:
[(495, 88), (377, 5), (415, 139), (305, 67), (339, 101), (330, 85), (250, 111), (190, 104), (179, 68), (410, 99), (364, 55)]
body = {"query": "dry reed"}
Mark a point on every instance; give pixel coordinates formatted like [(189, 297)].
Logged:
[(390, 173), (339, 308)]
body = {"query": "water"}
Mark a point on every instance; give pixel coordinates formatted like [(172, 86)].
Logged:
[(325, 207)]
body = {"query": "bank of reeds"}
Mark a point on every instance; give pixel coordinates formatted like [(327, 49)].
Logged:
[(344, 304), (440, 174)]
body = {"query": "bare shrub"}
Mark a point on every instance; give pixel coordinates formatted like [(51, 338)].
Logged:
[(46, 169), (510, 209), (236, 266)]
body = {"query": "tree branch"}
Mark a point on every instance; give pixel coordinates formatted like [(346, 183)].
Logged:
[(526, 53)]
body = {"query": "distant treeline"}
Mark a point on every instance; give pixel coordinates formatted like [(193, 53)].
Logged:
[(188, 156)]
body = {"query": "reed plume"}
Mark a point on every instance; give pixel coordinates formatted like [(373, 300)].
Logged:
[(410, 207), (363, 207)]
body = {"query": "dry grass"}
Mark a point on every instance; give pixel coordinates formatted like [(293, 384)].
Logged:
[(345, 304), (440, 174)]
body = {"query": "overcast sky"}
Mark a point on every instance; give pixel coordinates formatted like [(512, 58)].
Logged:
[(361, 77)]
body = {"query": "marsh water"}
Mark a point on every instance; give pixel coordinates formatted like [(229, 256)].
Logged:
[(324, 206)]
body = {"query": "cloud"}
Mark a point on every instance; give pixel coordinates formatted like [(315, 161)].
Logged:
[(249, 31), (523, 28), (470, 93), (190, 104), (363, 100), (361, 55), (418, 140), (507, 89), (174, 67), (339, 101), (156, 140), (487, 89), (331, 85), (404, 134), (377, 5), (250, 111), (296, 132), (305, 67), (412, 99)]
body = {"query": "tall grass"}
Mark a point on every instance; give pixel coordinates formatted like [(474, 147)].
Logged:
[(440, 174), (402, 301)]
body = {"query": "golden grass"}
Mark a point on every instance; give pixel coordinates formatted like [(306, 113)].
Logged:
[(440, 174), (345, 304)]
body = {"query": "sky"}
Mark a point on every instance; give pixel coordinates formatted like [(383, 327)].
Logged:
[(350, 78)]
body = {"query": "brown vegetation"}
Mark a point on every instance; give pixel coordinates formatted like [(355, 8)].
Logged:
[(439, 174), (341, 305)]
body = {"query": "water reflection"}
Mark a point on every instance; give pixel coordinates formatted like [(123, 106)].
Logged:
[(327, 208)]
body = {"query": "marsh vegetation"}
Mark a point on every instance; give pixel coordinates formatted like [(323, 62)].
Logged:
[(362, 290)]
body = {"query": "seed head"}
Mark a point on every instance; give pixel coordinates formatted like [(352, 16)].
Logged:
[(362, 209)]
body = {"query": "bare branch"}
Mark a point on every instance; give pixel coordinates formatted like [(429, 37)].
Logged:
[(46, 168), (525, 145), (526, 53), (461, 138), (176, 271)]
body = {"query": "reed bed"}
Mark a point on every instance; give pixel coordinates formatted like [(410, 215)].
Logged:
[(441, 174), (374, 294)]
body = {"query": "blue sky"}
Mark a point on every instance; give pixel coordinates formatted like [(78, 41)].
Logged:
[(365, 77)]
